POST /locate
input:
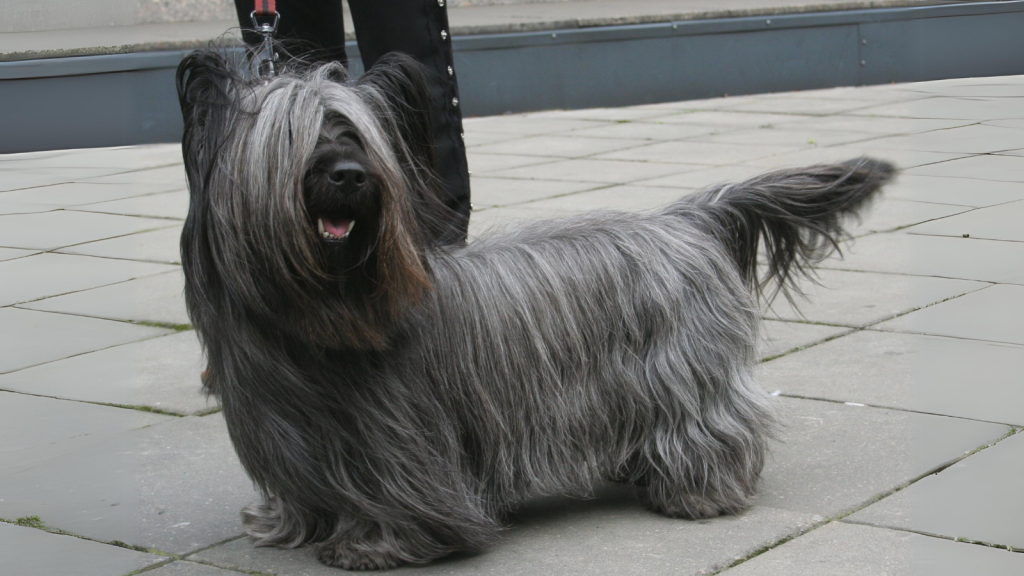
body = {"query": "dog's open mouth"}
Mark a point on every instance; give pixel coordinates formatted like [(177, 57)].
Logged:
[(334, 229)]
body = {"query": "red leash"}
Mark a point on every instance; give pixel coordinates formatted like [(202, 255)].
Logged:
[(265, 57), (265, 7)]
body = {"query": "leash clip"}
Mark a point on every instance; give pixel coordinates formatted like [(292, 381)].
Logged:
[(264, 61)]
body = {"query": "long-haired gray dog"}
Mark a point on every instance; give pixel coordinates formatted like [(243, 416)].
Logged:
[(391, 398)]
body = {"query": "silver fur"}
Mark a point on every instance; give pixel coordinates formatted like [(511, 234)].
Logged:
[(393, 398)]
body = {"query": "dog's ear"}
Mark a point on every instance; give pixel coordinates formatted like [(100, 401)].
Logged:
[(204, 81), (401, 86)]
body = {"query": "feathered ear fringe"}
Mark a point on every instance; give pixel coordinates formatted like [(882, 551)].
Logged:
[(398, 89)]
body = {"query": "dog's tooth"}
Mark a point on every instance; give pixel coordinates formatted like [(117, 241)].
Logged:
[(320, 225)]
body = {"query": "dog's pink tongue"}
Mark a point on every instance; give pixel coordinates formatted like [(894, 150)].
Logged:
[(337, 228)]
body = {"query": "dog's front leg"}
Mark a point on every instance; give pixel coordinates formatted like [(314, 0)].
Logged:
[(366, 545)]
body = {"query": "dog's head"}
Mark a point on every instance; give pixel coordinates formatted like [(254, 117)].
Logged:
[(313, 198)]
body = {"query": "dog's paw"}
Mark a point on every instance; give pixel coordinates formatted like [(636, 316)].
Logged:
[(689, 507), (341, 555)]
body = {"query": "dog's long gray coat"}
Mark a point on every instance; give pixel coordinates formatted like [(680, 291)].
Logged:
[(540, 360)]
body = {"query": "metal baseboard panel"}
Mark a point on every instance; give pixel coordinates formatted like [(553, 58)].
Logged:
[(126, 99)]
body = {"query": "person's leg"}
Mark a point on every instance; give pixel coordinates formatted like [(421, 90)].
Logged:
[(308, 28), (420, 28)]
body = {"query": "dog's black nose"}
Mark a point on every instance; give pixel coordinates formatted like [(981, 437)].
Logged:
[(348, 175)]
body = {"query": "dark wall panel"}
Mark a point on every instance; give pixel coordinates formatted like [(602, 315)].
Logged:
[(112, 109), (945, 47)]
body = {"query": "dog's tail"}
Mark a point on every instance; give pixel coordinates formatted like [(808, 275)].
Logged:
[(798, 214)]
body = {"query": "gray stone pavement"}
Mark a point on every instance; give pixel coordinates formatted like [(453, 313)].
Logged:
[(898, 378)]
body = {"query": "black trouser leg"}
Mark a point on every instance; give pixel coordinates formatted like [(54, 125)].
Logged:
[(418, 28)]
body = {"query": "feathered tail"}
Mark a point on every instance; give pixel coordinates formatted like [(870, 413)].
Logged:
[(798, 214)]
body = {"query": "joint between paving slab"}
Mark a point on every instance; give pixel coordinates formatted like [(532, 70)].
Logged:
[(149, 323), (89, 181), (960, 539), (36, 523), (136, 407), (894, 408)]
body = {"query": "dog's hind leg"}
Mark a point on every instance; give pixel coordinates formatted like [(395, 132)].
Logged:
[(701, 465)]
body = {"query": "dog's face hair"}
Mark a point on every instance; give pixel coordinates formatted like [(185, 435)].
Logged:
[(299, 184)]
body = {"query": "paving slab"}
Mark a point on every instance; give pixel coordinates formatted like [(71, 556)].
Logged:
[(176, 486), (802, 137), (618, 114), (959, 191), (840, 549), (890, 214), (69, 194), (692, 152), (32, 552), (1003, 222), (60, 228), (6, 209), (977, 499), (472, 139), (935, 375), (166, 205), (725, 120), (486, 163), (34, 430), (123, 157), (973, 139), (903, 159), (991, 87), (808, 105), (783, 337), (704, 177), (183, 568), (647, 130), (527, 125), (160, 373), (506, 192), (153, 246), (860, 299), (600, 171), (611, 534), (29, 337), (37, 177), (984, 167), (992, 314), (41, 275), (977, 109), (965, 258), (157, 299), (629, 198), (158, 179), (832, 458), (559, 146), (877, 126)]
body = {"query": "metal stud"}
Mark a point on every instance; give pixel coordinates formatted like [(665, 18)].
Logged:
[(440, 3), (450, 71), (455, 101), (444, 35)]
